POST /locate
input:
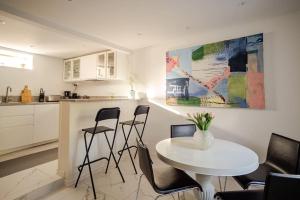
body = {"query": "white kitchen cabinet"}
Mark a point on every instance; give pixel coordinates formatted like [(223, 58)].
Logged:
[(16, 126), (68, 70), (46, 123), (76, 69), (108, 65), (111, 71), (112, 65), (24, 125), (88, 67), (101, 65)]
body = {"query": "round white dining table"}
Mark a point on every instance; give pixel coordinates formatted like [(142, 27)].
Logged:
[(224, 158)]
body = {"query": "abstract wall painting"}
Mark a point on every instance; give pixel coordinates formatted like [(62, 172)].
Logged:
[(222, 74)]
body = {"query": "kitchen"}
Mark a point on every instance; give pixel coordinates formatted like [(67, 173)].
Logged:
[(33, 86), (90, 94)]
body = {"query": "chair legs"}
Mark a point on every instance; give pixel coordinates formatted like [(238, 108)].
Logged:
[(161, 195), (139, 186)]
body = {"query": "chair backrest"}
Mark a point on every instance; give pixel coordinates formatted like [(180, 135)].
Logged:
[(283, 153), (141, 109), (108, 113), (282, 187), (183, 130), (145, 163)]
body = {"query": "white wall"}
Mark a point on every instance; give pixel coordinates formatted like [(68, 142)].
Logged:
[(249, 127), (46, 73), (103, 88)]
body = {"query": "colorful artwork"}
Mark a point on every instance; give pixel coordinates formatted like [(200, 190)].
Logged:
[(223, 74)]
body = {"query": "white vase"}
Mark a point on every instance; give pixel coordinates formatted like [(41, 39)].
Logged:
[(204, 139), (132, 94)]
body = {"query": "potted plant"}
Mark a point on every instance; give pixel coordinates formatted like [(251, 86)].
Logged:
[(203, 136)]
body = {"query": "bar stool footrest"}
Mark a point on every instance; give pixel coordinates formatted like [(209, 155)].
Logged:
[(120, 151), (102, 158)]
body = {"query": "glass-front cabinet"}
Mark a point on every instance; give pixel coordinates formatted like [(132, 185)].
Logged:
[(68, 70), (101, 65), (107, 65), (76, 69), (111, 65)]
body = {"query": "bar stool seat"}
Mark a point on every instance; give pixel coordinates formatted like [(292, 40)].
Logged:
[(129, 123), (99, 129)]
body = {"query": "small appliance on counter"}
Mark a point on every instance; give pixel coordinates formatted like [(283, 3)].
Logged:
[(53, 98), (42, 95), (67, 94), (75, 96)]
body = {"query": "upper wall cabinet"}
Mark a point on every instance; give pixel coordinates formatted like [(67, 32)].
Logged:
[(109, 65)]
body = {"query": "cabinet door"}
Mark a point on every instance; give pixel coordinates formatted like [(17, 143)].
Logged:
[(121, 66), (101, 65), (16, 126), (76, 69), (68, 70), (111, 65), (88, 66), (46, 122)]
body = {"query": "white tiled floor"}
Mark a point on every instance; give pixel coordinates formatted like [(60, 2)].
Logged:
[(20, 184), (28, 151), (110, 187)]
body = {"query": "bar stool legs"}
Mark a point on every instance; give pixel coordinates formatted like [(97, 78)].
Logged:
[(80, 168), (139, 136), (111, 153), (126, 147), (87, 158)]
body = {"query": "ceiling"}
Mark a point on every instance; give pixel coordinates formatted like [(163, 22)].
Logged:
[(64, 28), (23, 36)]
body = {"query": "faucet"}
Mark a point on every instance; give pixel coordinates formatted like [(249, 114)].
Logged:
[(8, 89)]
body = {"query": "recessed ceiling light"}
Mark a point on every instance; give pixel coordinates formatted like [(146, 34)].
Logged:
[(242, 3), (2, 22)]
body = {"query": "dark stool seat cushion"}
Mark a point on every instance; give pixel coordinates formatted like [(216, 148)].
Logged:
[(130, 122), (258, 176), (169, 179), (241, 195), (99, 129)]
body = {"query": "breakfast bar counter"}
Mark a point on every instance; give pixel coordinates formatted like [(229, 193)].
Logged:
[(77, 114)]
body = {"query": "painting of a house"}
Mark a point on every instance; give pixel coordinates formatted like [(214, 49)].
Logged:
[(222, 74)]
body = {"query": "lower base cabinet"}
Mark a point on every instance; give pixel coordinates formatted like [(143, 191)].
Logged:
[(46, 122), (23, 125)]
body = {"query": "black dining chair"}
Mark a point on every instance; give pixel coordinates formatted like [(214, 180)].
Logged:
[(165, 181), (282, 157), (183, 130), (278, 187)]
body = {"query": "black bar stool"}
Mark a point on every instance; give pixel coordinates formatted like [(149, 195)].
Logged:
[(140, 110), (103, 114)]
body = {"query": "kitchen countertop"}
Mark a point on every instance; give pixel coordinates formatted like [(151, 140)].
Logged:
[(92, 99), (24, 104)]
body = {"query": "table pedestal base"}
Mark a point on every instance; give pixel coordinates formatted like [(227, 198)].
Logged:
[(208, 190)]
